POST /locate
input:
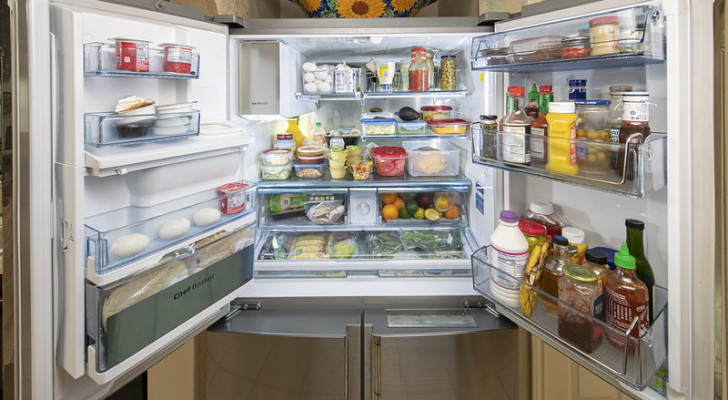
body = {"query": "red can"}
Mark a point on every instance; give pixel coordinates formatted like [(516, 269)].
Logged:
[(177, 58), (132, 55), (234, 200)]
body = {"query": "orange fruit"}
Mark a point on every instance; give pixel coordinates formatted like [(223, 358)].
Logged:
[(453, 212), (389, 198), (390, 212), (398, 202)]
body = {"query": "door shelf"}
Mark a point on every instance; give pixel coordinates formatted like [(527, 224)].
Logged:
[(636, 370), (125, 241), (100, 60), (643, 169), (112, 129), (572, 45)]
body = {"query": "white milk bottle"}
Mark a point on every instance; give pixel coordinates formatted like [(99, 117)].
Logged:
[(509, 256)]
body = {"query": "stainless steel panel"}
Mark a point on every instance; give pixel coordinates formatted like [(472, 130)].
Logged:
[(259, 78)]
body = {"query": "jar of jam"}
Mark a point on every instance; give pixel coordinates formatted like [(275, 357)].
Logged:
[(534, 232), (579, 289), (575, 47)]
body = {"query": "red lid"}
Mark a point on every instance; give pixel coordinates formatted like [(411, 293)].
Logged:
[(448, 122), (389, 152), (435, 108), (604, 20), (418, 49), (532, 228), (516, 91), (232, 187), (284, 136), (545, 88)]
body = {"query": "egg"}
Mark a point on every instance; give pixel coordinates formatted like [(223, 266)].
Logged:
[(206, 216), (174, 228), (309, 67), (129, 245), (310, 87), (321, 75), (309, 77), (324, 87)]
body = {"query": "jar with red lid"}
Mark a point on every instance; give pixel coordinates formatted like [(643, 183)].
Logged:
[(604, 35), (575, 47), (534, 232), (132, 55), (177, 58)]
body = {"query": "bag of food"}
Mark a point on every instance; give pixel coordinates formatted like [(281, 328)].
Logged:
[(324, 209)]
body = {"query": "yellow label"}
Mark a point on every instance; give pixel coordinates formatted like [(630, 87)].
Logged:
[(482, 77)]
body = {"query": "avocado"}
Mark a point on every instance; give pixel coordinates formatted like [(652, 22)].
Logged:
[(408, 114)]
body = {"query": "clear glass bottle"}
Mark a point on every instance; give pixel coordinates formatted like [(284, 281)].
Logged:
[(593, 126), (489, 126), (635, 129), (596, 261), (540, 127), (404, 66), (532, 109), (514, 144), (553, 272), (577, 243), (643, 269), (448, 76), (419, 78), (580, 289), (430, 61)]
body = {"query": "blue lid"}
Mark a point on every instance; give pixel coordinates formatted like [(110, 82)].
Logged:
[(610, 255), (378, 121), (593, 102), (577, 82), (297, 163)]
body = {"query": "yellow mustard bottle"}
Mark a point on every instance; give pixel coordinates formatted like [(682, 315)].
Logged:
[(562, 133), (295, 131)]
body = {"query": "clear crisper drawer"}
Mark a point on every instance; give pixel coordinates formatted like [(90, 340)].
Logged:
[(100, 60), (300, 207), (125, 317), (631, 169), (111, 129), (631, 359), (127, 240), (424, 206), (630, 36)]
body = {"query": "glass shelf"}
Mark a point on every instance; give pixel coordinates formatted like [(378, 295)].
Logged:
[(643, 169), (635, 364), (111, 129), (373, 181), (640, 40), (100, 60), (380, 95)]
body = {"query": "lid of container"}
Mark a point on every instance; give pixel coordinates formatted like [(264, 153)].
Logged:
[(276, 152), (591, 102), (604, 20), (532, 228), (489, 117), (577, 82), (610, 255), (129, 40), (447, 57), (575, 235), (571, 40), (516, 91), (623, 259), (419, 49), (435, 108), (635, 96), (542, 207), (545, 88), (297, 163), (311, 151), (447, 122), (634, 224), (284, 136), (579, 273), (378, 121), (619, 89), (389, 152), (533, 94), (184, 46), (508, 216), (596, 256), (561, 107), (429, 53), (561, 241)]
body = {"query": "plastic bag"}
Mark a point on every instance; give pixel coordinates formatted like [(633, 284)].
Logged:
[(325, 209)]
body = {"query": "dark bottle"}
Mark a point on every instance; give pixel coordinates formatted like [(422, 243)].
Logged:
[(531, 108), (635, 229), (635, 129), (553, 272)]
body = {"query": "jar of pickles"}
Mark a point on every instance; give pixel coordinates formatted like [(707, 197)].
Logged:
[(581, 303), (593, 149), (535, 233), (448, 79)]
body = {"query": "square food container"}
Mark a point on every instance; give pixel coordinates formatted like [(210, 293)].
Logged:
[(432, 158), (378, 126), (309, 170), (411, 127), (389, 160), (541, 48), (449, 126)]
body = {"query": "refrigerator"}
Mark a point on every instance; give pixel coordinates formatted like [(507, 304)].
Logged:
[(126, 241)]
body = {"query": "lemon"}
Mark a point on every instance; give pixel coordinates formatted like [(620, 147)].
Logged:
[(420, 213), (432, 215), (442, 204)]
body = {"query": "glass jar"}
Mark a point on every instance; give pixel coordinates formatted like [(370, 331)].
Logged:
[(575, 47), (448, 78), (489, 126), (542, 212), (596, 261), (404, 66), (418, 72), (285, 141), (615, 110), (552, 274), (535, 233), (577, 89), (604, 34), (635, 129), (593, 128), (579, 288), (430, 61)]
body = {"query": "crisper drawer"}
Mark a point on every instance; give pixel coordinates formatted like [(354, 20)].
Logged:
[(125, 317)]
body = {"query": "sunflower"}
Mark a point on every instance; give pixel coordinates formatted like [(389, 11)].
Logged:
[(311, 5), (361, 8), (401, 6)]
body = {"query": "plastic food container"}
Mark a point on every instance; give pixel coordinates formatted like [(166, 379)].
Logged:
[(350, 136), (275, 173), (318, 79), (175, 125), (497, 56), (381, 114), (542, 48), (309, 170), (432, 158), (604, 34), (361, 170), (389, 160), (234, 200), (378, 126), (184, 106), (132, 55), (311, 155), (449, 126), (276, 157), (411, 127), (575, 47), (431, 113), (337, 172), (177, 58)]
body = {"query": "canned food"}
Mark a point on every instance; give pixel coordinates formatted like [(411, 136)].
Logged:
[(177, 58), (132, 55)]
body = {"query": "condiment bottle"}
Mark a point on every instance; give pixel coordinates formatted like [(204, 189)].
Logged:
[(626, 298), (419, 78), (295, 131), (532, 108), (430, 61), (534, 232), (562, 132), (509, 255), (596, 261), (553, 272), (542, 212), (540, 127), (635, 129), (635, 230), (515, 147), (577, 244), (615, 115), (489, 126), (581, 294)]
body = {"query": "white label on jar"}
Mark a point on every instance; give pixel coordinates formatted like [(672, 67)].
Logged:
[(515, 147), (635, 112), (537, 144), (142, 58), (179, 55), (508, 265), (614, 135)]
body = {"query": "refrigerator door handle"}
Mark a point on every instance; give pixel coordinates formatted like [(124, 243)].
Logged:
[(377, 366)]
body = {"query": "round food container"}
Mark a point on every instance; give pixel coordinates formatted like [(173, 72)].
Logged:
[(181, 107), (276, 157), (337, 173), (177, 58), (132, 55), (575, 47), (604, 33), (389, 160), (311, 160), (338, 154), (311, 151), (430, 113), (361, 170)]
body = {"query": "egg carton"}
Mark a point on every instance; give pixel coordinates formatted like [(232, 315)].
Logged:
[(318, 78)]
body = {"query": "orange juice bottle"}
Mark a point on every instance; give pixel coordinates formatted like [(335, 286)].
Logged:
[(295, 131), (562, 133)]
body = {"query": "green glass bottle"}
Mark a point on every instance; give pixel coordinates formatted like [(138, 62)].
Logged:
[(635, 230)]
